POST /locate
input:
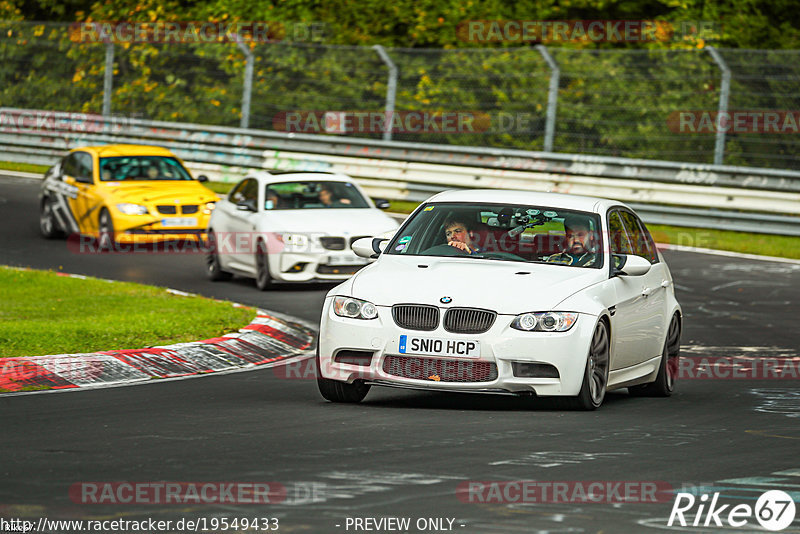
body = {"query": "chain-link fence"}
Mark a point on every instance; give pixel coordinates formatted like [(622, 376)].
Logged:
[(645, 103)]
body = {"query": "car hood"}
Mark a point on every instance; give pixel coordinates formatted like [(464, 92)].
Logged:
[(489, 284), (185, 192), (331, 221)]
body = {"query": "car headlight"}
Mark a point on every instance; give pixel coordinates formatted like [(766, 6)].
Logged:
[(294, 242), (209, 207), (544, 321), (354, 308), (132, 209)]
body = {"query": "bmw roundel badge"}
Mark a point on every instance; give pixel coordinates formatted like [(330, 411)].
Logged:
[(446, 300)]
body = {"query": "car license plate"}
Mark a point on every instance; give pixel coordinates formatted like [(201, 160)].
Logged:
[(439, 347), (179, 221), (346, 259)]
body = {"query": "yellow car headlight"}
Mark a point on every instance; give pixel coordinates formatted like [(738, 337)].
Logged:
[(132, 209)]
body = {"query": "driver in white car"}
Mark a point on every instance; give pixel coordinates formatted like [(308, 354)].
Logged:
[(460, 236), (580, 245)]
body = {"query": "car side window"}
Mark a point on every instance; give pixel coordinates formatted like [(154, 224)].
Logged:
[(83, 167), (236, 195), (68, 166), (250, 190), (618, 237), (639, 237), (650, 243)]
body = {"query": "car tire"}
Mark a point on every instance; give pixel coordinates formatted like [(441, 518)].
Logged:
[(213, 267), (664, 384), (48, 225), (263, 278), (337, 391), (105, 227), (595, 375)]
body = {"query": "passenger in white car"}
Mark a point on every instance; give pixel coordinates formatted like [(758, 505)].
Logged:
[(327, 199), (580, 244)]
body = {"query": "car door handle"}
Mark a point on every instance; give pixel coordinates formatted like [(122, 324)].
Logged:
[(646, 292), (665, 284)]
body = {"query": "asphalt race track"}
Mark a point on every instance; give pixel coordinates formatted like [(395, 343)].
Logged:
[(404, 454)]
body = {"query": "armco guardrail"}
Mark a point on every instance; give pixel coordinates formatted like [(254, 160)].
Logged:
[(763, 200)]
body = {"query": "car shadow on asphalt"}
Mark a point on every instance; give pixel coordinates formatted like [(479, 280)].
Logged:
[(479, 402), (245, 282)]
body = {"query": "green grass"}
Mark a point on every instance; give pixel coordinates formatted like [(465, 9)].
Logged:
[(221, 188), (402, 206), (761, 244), (44, 313), (23, 167)]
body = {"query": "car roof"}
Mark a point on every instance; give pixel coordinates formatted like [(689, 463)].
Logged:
[(300, 176), (534, 198), (105, 151)]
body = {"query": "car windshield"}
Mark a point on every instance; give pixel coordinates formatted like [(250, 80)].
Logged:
[(310, 195), (130, 168), (510, 232)]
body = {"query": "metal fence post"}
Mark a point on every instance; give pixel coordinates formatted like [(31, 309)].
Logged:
[(552, 98), (108, 78), (391, 91), (719, 146), (248, 82)]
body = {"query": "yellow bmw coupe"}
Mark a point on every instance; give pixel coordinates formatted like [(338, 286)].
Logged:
[(132, 193)]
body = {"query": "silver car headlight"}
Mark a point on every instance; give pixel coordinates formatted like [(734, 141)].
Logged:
[(295, 242), (354, 308), (132, 209), (545, 321)]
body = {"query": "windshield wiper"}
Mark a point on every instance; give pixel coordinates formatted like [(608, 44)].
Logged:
[(496, 258)]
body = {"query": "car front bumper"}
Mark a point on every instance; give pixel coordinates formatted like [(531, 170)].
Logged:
[(131, 228), (492, 372), (312, 266)]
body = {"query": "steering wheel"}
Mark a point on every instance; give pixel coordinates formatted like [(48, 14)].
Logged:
[(444, 250)]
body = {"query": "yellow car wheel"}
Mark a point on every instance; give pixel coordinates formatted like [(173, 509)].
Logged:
[(105, 225)]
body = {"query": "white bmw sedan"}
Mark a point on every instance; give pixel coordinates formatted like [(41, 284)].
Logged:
[(506, 292), (292, 227)]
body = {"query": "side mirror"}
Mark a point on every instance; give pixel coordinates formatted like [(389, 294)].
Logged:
[(381, 203), (202, 178), (247, 205), (369, 247), (629, 265)]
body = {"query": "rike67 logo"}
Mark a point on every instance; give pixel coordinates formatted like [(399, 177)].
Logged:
[(774, 510)]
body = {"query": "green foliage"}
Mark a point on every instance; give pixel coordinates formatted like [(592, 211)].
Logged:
[(613, 99)]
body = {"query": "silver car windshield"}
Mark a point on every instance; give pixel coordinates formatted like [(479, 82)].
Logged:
[(509, 232), (313, 195)]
